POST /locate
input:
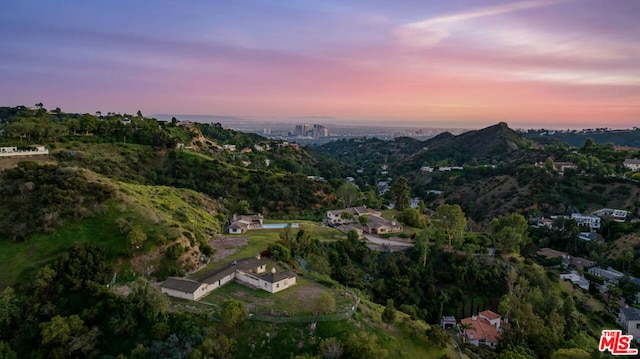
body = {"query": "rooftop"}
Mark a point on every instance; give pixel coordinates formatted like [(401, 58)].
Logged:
[(278, 276), (630, 313), (181, 284)]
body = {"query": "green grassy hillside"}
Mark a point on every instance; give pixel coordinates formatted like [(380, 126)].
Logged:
[(165, 214)]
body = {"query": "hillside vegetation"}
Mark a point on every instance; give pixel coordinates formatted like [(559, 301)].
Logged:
[(123, 201)]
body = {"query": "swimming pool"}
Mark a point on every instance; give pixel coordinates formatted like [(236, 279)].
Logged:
[(278, 225)]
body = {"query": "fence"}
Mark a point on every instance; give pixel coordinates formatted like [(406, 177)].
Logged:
[(212, 312)]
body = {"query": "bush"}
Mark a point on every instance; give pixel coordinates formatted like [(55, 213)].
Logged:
[(174, 252), (206, 249)]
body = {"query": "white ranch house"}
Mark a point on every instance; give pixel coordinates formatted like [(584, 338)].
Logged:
[(249, 271), (242, 223), (632, 164), (14, 151)]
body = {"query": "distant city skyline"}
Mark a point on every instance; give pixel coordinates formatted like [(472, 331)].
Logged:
[(554, 64)]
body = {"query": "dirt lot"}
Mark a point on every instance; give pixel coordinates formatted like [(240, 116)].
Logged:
[(226, 246), (10, 162)]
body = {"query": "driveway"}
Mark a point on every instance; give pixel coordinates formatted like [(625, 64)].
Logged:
[(386, 242)]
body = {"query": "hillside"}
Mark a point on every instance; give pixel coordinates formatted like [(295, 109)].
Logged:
[(147, 199), (497, 143), (627, 138), (62, 205)]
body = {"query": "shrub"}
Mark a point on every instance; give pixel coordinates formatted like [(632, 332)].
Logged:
[(174, 252)]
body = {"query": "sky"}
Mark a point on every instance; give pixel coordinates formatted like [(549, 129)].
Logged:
[(532, 63)]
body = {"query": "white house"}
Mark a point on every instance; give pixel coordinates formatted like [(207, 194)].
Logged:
[(629, 318), (588, 220), (14, 151), (248, 271), (616, 215), (183, 288), (632, 164), (242, 223), (274, 282)]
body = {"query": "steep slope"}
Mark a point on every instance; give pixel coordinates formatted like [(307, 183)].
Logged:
[(60, 205)]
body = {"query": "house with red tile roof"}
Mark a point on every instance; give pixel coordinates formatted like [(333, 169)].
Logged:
[(484, 328)]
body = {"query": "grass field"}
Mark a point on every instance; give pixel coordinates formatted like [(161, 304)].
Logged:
[(300, 300)]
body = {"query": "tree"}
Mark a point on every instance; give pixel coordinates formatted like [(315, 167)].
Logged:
[(279, 252), (85, 263), (510, 233), (348, 194), (443, 298), (331, 348), (62, 333), (364, 345), (219, 347), (242, 207), (6, 352), (572, 353), (9, 310), (302, 244), (363, 219), (628, 255), (136, 237), (346, 216), (234, 313), (147, 300), (451, 221), (422, 246), (401, 193), (589, 143), (325, 303), (549, 164), (286, 234), (518, 352), (372, 200), (412, 217), (389, 313), (422, 207)]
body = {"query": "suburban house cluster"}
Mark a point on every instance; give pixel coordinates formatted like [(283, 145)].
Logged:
[(347, 219), (251, 272), (14, 151), (628, 318), (591, 221)]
